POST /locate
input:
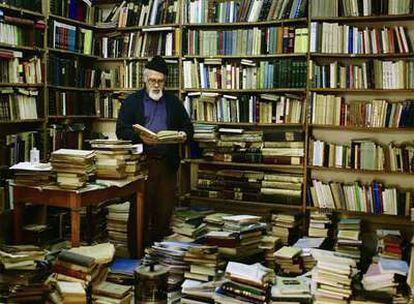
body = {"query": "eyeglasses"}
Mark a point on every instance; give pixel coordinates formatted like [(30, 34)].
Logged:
[(156, 81)]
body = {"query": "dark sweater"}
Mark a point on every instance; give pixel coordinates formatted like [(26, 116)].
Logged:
[(132, 112)]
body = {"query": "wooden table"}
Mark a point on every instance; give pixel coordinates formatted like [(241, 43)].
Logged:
[(89, 196)]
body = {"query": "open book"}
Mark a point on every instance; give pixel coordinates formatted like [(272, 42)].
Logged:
[(164, 136)]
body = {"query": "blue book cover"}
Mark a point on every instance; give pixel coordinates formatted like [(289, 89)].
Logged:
[(124, 266)]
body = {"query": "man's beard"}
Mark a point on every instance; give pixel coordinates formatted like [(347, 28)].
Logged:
[(154, 95)]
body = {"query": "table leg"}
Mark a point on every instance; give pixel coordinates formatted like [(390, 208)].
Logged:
[(75, 204), (18, 221), (140, 218)]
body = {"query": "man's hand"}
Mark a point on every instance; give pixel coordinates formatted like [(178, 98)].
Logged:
[(149, 140)]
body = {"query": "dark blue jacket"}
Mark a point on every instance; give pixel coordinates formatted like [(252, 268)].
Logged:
[(132, 112)]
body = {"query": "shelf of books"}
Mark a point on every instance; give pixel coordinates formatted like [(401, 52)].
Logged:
[(22, 81), (360, 147)]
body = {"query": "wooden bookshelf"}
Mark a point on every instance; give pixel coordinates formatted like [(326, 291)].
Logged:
[(380, 18), (130, 89), (265, 56), (364, 129), (34, 49), (58, 117), (164, 27), (362, 56), (65, 52), (360, 171), (260, 166), (364, 91), (241, 91), (22, 121), (64, 88), (21, 11), (22, 85), (135, 58), (72, 21), (298, 21)]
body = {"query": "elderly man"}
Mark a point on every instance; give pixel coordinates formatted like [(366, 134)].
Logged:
[(156, 110)]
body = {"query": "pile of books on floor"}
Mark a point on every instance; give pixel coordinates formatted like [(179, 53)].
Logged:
[(240, 238), (197, 292), (38, 174), (215, 221), (269, 244), (68, 292), (187, 225), (348, 238), (71, 266), (389, 244), (306, 245), (291, 290), (205, 263), (332, 277), (288, 260), (117, 227), (20, 257), (121, 271), (19, 293), (320, 224), (73, 168), (286, 227), (244, 284), (107, 292), (170, 255)]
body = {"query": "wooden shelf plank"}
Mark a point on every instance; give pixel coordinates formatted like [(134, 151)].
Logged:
[(265, 56), (279, 90), (71, 88), (250, 124), (72, 21), (22, 48), (246, 24), (364, 129), (72, 53), (20, 121), (21, 11), (380, 18), (246, 165), (359, 171)]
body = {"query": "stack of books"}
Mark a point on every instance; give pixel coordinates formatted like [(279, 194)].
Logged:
[(73, 167), (241, 236), (187, 225), (107, 292), (332, 277), (286, 227), (205, 133), (282, 188), (136, 164), (320, 224), (291, 290), (205, 263), (29, 174), (111, 156), (170, 255), (18, 293), (215, 221), (244, 284), (20, 257), (74, 267), (197, 292), (375, 280), (69, 292), (288, 260), (389, 244), (307, 244), (121, 271), (348, 238), (269, 244), (117, 227)]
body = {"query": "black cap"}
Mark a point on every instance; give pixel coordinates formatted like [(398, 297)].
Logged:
[(157, 63)]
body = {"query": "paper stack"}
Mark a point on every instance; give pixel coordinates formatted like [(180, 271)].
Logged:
[(320, 224), (288, 259), (73, 167), (348, 238), (107, 292), (205, 263), (117, 227), (20, 257), (291, 290), (111, 157), (244, 284), (331, 278), (286, 227)]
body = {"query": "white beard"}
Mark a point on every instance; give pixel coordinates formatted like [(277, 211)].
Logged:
[(154, 95)]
